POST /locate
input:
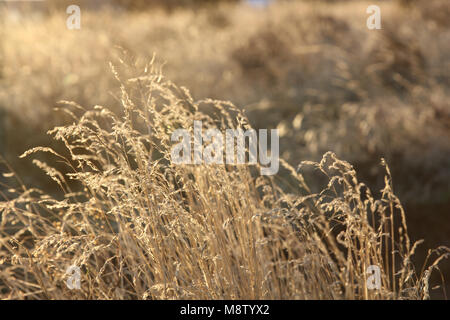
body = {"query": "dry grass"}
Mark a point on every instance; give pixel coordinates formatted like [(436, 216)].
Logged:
[(142, 227)]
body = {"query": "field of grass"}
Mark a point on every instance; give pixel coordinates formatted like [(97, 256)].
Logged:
[(103, 193)]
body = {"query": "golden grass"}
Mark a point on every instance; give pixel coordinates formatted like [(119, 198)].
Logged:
[(141, 227)]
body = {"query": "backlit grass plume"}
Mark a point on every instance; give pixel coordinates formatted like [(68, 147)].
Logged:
[(141, 227)]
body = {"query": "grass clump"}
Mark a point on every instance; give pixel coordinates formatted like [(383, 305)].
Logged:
[(141, 227)]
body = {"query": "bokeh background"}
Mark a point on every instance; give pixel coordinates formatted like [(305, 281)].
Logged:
[(312, 69)]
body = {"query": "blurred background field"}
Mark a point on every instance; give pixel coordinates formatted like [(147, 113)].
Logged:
[(312, 69)]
